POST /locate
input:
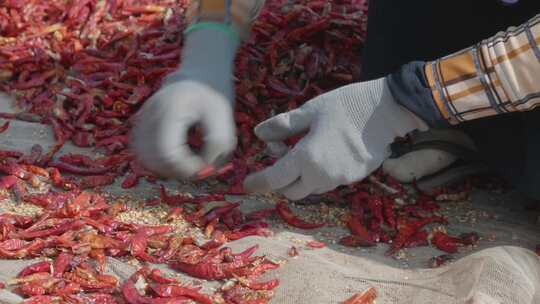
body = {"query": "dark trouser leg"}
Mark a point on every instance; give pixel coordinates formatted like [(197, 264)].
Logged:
[(529, 181), (403, 31)]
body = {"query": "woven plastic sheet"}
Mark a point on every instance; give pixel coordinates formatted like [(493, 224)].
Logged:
[(496, 271)]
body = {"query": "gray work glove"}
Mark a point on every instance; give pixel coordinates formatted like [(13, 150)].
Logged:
[(350, 131), (201, 92)]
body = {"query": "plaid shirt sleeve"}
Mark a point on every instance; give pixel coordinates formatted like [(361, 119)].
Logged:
[(498, 75)]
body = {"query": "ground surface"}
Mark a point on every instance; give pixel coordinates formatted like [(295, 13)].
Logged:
[(499, 218)]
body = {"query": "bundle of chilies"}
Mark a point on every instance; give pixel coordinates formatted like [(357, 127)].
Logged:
[(78, 230)]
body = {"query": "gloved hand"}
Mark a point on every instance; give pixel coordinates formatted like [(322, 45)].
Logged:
[(431, 152), (200, 92), (350, 130), (418, 164)]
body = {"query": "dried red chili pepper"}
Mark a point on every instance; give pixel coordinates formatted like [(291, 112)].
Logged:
[(10, 154), (244, 295), (12, 244), (6, 182), (388, 209), (356, 241), (4, 127), (61, 264), (78, 170), (419, 239), (286, 214), (357, 229), (210, 270), (39, 267), (469, 238), (440, 260), (95, 181), (157, 276), (316, 244), (407, 229), (242, 233), (218, 212), (445, 242), (375, 205), (66, 226), (173, 200), (269, 285), (366, 297), (168, 291)]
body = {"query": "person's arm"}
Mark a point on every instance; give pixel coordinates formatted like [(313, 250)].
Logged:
[(201, 93), (498, 75)]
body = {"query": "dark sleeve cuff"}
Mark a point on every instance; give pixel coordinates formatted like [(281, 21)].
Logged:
[(411, 90)]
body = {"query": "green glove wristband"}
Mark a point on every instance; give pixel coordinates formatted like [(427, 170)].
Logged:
[(214, 25)]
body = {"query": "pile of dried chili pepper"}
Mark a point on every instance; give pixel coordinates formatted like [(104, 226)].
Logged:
[(77, 230), (85, 68)]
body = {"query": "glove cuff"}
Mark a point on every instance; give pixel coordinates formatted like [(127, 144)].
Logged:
[(375, 96), (216, 26), (207, 57)]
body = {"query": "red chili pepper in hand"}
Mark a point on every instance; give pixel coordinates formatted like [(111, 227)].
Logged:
[(286, 214)]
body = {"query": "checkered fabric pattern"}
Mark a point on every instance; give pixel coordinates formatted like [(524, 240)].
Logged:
[(498, 75)]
